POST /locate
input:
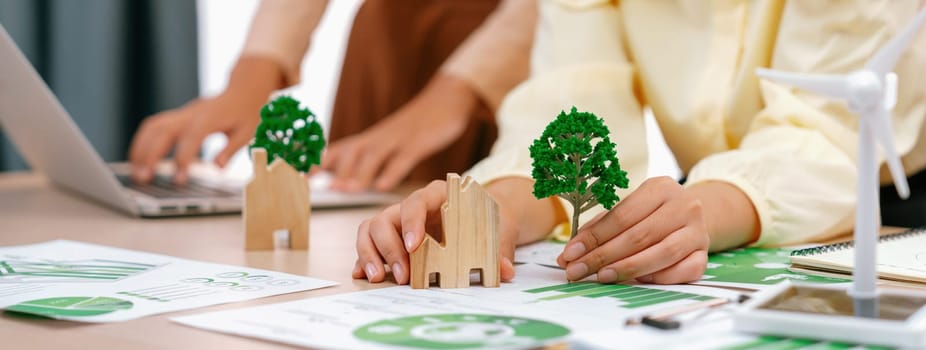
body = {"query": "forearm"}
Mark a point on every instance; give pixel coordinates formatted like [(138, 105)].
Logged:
[(281, 30), (496, 57), (255, 77), (535, 218), (451, 93), (730, 217)]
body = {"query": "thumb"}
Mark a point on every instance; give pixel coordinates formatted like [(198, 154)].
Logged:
[(331, 155), (508, 235), (236, 140)]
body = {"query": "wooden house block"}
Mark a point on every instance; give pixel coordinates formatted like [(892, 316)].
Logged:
[(276, 198), (469, 242)]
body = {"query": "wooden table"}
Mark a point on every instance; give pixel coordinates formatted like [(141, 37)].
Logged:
[(32, 211)]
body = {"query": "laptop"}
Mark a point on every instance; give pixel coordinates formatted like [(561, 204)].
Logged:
[(50, 141)]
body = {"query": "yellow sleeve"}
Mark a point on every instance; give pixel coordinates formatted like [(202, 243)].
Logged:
[(797, 163), (597, 78), (281, 30), (495, 58)]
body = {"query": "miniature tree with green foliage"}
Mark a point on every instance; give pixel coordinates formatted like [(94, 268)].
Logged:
[(290, 133), (575, 160)]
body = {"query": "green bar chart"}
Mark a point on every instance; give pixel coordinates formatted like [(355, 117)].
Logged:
[(769, 342), (631, 297), (24, 270)]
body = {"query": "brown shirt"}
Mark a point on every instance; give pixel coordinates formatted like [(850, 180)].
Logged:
[(493, 60)]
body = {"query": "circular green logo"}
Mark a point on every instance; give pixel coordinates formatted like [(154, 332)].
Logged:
[(460, 331), (71, 306)]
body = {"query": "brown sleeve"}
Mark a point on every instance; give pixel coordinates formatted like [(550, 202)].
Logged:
[(281, 30), (496, 57)]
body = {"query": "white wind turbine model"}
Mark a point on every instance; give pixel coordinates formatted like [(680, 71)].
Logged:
[(871, 93)]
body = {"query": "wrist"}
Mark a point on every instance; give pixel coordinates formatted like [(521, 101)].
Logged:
[(454, 93), (534, 217), (730, 217)]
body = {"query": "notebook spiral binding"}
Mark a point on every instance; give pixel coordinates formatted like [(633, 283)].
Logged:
[(846, 245)]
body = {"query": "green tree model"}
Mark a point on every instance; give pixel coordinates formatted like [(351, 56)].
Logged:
[(289, 133), (575, 150)]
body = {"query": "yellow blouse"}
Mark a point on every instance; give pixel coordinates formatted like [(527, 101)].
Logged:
[(693, 61)]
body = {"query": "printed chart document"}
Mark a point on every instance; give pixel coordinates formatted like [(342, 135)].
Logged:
[(539, 307), (755, 268), (91, 283), (748, 268), (541, 253), (702, 332)]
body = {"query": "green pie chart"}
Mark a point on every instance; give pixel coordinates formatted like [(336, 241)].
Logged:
[(71, 306), (460, 331)]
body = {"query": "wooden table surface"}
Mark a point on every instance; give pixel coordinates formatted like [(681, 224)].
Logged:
[(32, 211)]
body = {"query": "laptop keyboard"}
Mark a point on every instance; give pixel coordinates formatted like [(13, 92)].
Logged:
[(164, 187)]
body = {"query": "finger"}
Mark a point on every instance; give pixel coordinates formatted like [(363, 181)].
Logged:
[(236, 140), (576, 250), (397, 168), (596, 218), (357, 272), (187, 150), (666, 253), (344, 166), (506, 268), (383, 231), (368, 256), (633, 209), (688, 270), (152, 142), (149, 128), (330, 156), (415, 209), (371, 161), (654, 228), (506, 252)]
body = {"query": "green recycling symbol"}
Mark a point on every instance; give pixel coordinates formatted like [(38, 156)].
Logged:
[(460, 331)]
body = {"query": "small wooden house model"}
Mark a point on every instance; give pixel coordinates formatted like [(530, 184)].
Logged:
[(276, 198), (469, 242)]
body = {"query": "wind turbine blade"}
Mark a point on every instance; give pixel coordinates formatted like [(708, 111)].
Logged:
[(890, 90), (882, 130), (825, 84), (885, 59)]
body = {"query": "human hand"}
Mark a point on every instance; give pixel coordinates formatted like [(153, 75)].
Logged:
[(388, 238), (235, 113), (655, 235), (383, 155)]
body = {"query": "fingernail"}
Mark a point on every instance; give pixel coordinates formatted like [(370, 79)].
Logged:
[(397, 272), (607, 276), (409, 241), (646, 279), (371, 271), (576, 271), (574, 251)]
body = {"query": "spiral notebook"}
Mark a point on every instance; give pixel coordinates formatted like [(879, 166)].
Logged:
[(901, 257)]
